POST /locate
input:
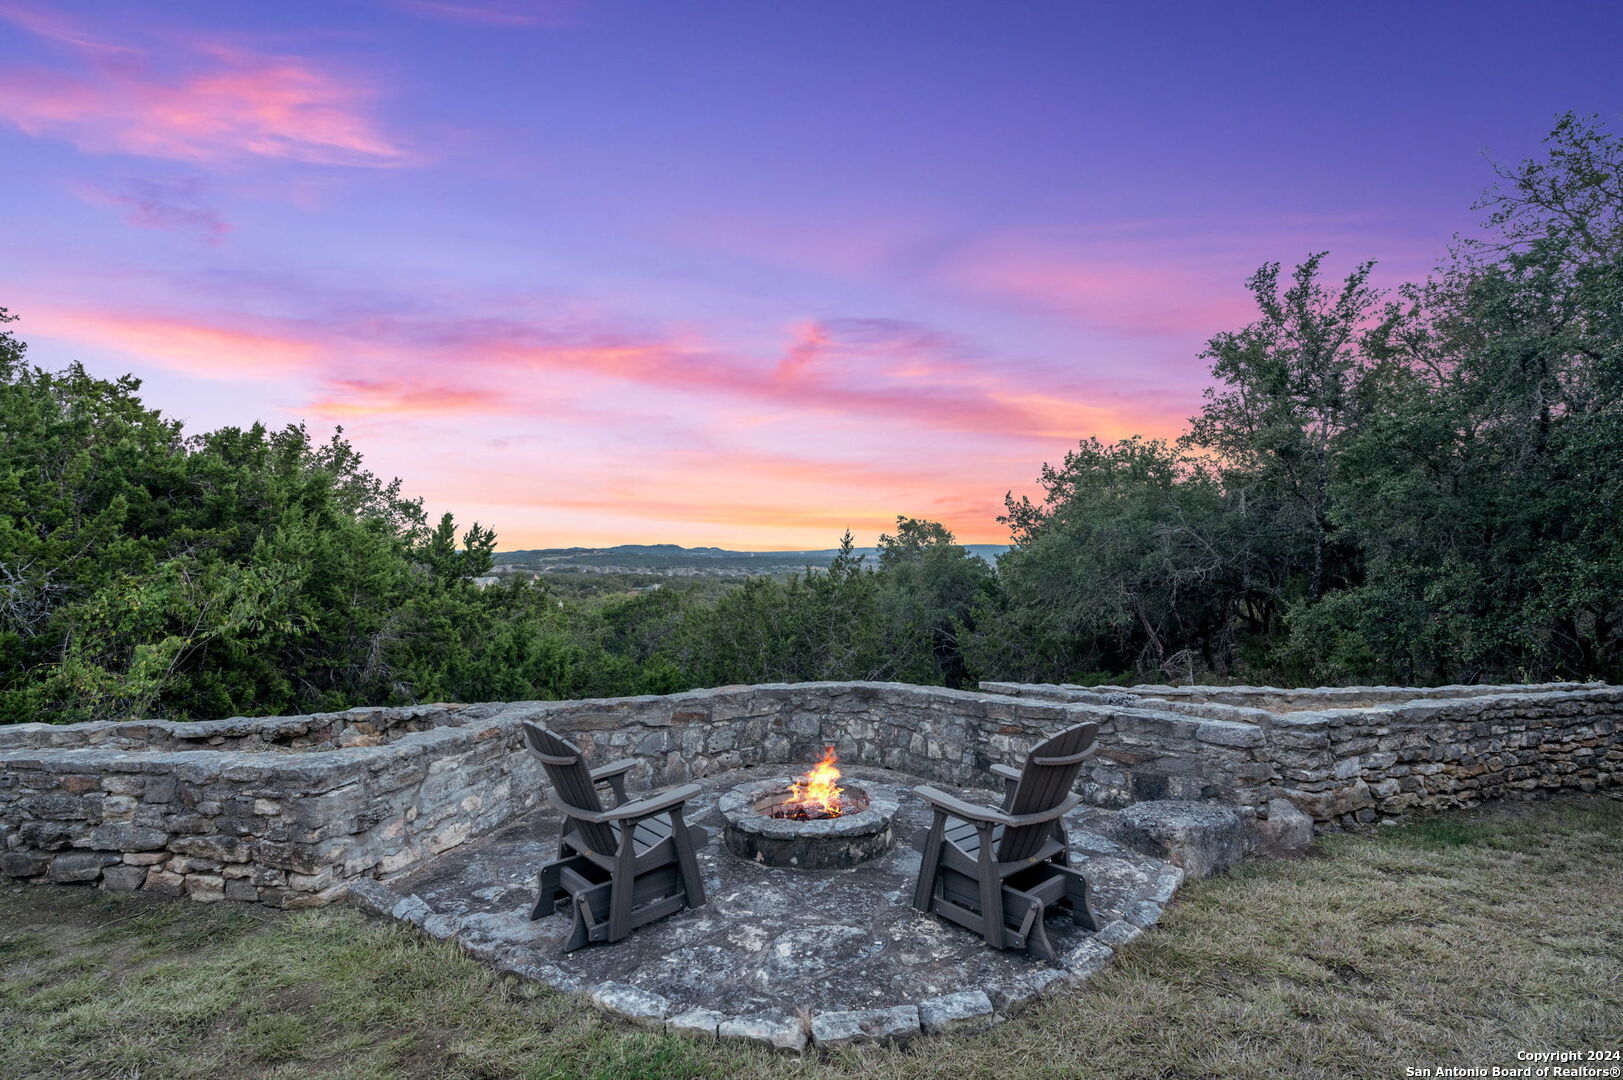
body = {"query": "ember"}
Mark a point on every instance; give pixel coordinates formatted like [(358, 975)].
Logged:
[(817, 795)]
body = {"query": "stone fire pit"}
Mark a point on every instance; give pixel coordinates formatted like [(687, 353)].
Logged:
[(837, 843), (784, 957)]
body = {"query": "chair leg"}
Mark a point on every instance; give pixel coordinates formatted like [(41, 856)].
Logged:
[(991, 892), (1079, 898), (624, 887), (924, 891), (1037, 942), (579, 931), (1064, 857), (546, 892), (687, 864)]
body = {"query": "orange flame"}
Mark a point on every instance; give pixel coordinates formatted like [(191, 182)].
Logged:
[(818, 793)]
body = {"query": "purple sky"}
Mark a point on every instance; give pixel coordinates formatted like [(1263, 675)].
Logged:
[(730, 273)]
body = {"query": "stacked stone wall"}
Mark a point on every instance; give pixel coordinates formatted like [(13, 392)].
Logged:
[(288, 810), (1399, 751)]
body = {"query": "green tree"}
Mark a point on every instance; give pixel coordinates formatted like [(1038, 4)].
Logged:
[(1125, 565), (243, 570), (929, 587), (1485, 494)]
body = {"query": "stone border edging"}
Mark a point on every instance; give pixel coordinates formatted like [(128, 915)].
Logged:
[(960, 1011)]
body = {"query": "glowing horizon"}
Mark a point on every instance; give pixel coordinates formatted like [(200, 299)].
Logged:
[(730, 275)]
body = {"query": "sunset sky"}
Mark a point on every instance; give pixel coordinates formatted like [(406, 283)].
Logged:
[(743, 274)]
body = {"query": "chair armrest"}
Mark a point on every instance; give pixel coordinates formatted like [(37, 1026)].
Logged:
[(614, 775), (647, 806), (960, 809), (1011, 782), (970, 812), (613, 768)]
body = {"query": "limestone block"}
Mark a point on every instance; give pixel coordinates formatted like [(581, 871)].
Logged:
[(847, 1027), (123, 878), (967, 1010), (119, 837), (1286, 831), (21, 864), (81, 866), (1118, 933), (632, 1003), (1087, 958), (241, 890), (164, 883), (1201, 837), (776, 1028), (695, 1023), (206, 888)]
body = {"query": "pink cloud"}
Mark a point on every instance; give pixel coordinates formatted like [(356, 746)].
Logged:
[(345, 398), (847, 436), (55, 28), (229, 105), (1104, 285), (866, 368), (184, 344), (894, 348), (154, 204)]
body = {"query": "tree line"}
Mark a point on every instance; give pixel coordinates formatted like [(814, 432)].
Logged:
[(1420, 487)]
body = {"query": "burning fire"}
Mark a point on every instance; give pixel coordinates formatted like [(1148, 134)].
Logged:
[(817, 794)]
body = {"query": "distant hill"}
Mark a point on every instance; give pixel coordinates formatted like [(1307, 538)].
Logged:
[(678, 561)]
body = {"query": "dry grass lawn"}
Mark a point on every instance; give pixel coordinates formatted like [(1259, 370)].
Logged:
[(1453, 941)]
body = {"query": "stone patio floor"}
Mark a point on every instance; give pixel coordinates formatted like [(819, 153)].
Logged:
[(782, 956)]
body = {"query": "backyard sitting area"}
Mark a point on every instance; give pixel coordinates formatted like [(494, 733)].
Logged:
[(783, 956), (790, 865), (1460, 939)]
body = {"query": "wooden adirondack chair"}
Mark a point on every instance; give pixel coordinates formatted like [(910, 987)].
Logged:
[(620, 868), (998, 872)]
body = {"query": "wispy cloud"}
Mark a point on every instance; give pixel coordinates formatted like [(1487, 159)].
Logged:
[(177, 206), (221, 105), (846, 437), (354, 397), (896, 348), (501, 13), (235, 349), (1106, 283), (404, 357), (53, 27)]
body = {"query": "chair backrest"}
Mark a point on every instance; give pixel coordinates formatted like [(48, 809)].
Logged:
[(1049, 774), (569, 776)]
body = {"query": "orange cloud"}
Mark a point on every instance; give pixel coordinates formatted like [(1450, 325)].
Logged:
[(233, 105), (825, 521)]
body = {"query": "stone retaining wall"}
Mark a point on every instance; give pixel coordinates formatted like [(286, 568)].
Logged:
[(1398, 750), (287, 810)]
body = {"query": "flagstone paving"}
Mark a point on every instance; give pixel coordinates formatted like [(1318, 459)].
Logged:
[(783, 956)]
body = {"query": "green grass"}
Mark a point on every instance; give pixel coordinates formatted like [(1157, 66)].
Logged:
[(1456, 940)]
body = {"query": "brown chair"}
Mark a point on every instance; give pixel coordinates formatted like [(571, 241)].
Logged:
[(620, 868), (998, 872)]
